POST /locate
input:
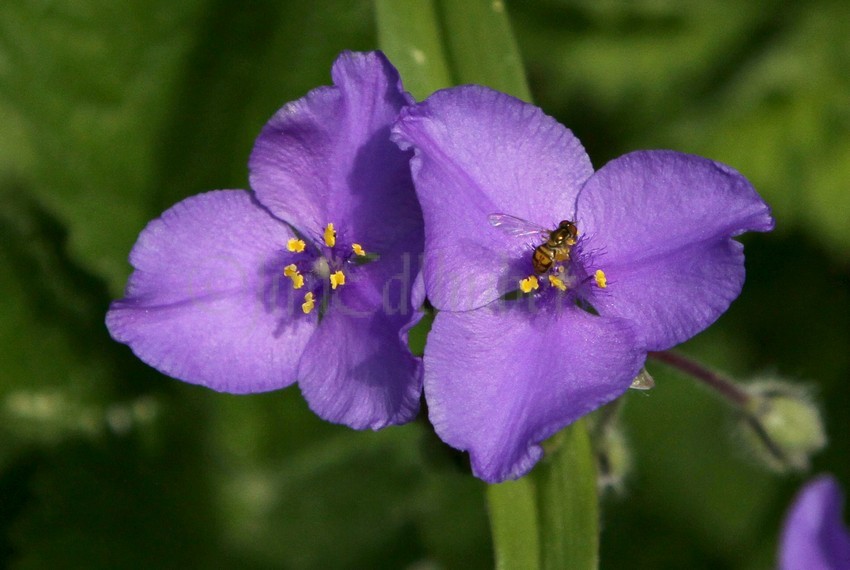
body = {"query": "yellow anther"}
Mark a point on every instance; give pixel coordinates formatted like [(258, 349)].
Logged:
[(295, 245), (557, 282), (330, 235), (358, 249), (292, 272), (337, 279), (308, 304), (601, 280), (529, 284)]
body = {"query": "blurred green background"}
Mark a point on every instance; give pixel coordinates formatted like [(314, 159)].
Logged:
[(112, 111)]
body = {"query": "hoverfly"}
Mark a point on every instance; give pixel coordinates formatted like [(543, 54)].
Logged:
[(559, 242)]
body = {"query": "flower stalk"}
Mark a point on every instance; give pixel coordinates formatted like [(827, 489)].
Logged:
[(779, 421), (724, 386)]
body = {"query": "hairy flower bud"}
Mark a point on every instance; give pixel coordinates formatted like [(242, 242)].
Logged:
[(610, 448), (782, 425), (613, 460)]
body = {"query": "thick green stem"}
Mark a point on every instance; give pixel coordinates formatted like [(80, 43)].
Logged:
[(550, 518)]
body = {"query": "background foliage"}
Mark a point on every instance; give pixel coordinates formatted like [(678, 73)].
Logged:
[(111, 112)]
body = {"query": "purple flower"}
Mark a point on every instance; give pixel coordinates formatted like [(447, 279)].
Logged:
[(308, 278), (814, 537), (642, 260)]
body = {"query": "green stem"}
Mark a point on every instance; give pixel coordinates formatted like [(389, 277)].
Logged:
[(550, 518), (514, 524)]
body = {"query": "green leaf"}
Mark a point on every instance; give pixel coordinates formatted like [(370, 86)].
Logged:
[(409, 33), (550, 518), (437, 44), (481, 46)]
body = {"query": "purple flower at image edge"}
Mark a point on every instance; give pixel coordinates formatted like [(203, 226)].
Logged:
[(306, 278), (814, 536), (529, 339)]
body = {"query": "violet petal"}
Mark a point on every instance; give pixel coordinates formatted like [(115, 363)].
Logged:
[(480, 152), (496, 390), (814, 536), (357, 369), (662, 223), (327, 158), (206, 303)]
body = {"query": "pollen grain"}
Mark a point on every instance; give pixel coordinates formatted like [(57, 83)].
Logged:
[(601, 280), (292, 272), (308, 304), (556, 281), (330, 235), (337, 279), (295, 245), (529, 284)]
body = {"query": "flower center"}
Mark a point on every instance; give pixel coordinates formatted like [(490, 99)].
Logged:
[(563, 263), (316, 269), (321, 267)]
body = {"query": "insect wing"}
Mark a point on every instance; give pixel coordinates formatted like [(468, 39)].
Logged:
[(517, 227)]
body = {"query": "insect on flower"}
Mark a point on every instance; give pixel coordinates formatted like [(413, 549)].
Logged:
[(559, 242)]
